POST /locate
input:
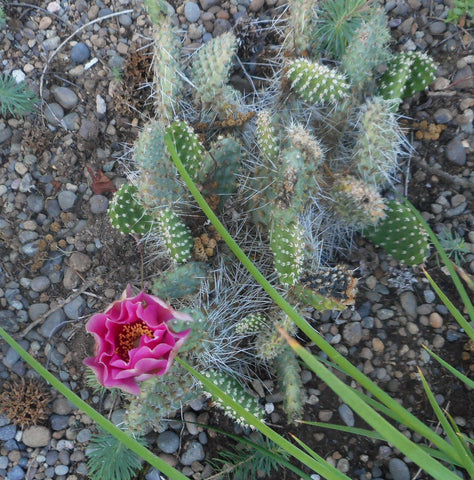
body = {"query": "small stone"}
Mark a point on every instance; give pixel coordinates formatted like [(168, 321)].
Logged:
[(51, 43), (192, 12), (61, 469), (71, 121), (436, 320), (437, 28), (438, 341), (54, 113), (207, 4), (80, 53), (455, 152), (409, 303), (399, 469), (442, 115), (168, 442), (377, 345), (190, 418), (59, 422), (16, 473), (221, 26), (36, 436), (98, 204), (352, 333), (464, 79), (5, 134), (194, 453), (80, 262), (325, 415), (65, 97), (256, 5), (66, 199), (441, 83), (7, 432), (44, 23), (89, 130), (62, 406), (195, 31), (347, 415), (125, 20), (40, 284)]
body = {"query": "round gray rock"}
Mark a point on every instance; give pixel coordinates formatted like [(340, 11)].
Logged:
[(98, 204), (168, 442), (192, 12), (455, 152), (36, 436), (40, 284), (399, 470), (66, 199), (54, 113), (346, 414), (80, 53), (352, 333), (80, 262), (65, 97), (194, 453)]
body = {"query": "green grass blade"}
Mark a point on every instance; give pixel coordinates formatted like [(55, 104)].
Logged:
[(376, 436), (408, 419), (246, 441), (454, 311), (375, 420), (464, 444), (458, 444), (452, 272), (322, 468), (455, 372), (107, 425)]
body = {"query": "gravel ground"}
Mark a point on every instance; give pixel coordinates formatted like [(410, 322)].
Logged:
[(61, 260)]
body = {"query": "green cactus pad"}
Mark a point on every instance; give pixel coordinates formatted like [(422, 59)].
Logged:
[(126, 214), (252, 323), (407, 73), (157, 184), (400, 234), (195, 159), (176, 236), (286, 242), (181, 281), (237, 392), (332, 288), (268, 342), (289, 380), (309, 147), (316, 83), (367, 50), (379, 142), (356, 202), (211, 66), (267, 139)]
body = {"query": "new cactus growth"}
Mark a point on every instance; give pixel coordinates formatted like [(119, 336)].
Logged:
[(237, 392), (317, 83), (181, 281), (176, 236), (400, 234), (251, 324), (407, 73), (126, 214)]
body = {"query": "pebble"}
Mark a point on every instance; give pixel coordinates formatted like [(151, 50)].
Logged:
[(36, 436), (347, 415), (455, 152), (192, 12), (80, 262), (442, 115), (59, 422), (352, 333), (16, 473), (54, 113), (207, 4), (409, 303), (7, 432), (40, 284), (399, 469), (71, 121), (168, 442), (194, 453), (436, 320), (65, 97), (61, 469), (437, 28), (80, 53), (256, 5), (66, 200)]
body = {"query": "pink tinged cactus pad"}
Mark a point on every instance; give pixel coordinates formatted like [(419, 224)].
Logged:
[(135, 340)]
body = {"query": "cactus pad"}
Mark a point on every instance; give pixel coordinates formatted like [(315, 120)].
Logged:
[(407, 73), (252, 323), (237, 392), (286, 242), (126, 214), (401, 234), (316, 83), (181, 281), (195, 159), (176, 235)]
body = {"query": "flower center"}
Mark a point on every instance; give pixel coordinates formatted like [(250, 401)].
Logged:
[(129, 338)]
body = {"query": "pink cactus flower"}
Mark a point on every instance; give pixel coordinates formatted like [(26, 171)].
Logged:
[(134, 340)]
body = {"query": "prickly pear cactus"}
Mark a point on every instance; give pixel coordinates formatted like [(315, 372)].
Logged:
[(401, 234), (251, 324), (176, 236), (317, 83), (181, 281), (126, 214), (407, 73), (237, 392)]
